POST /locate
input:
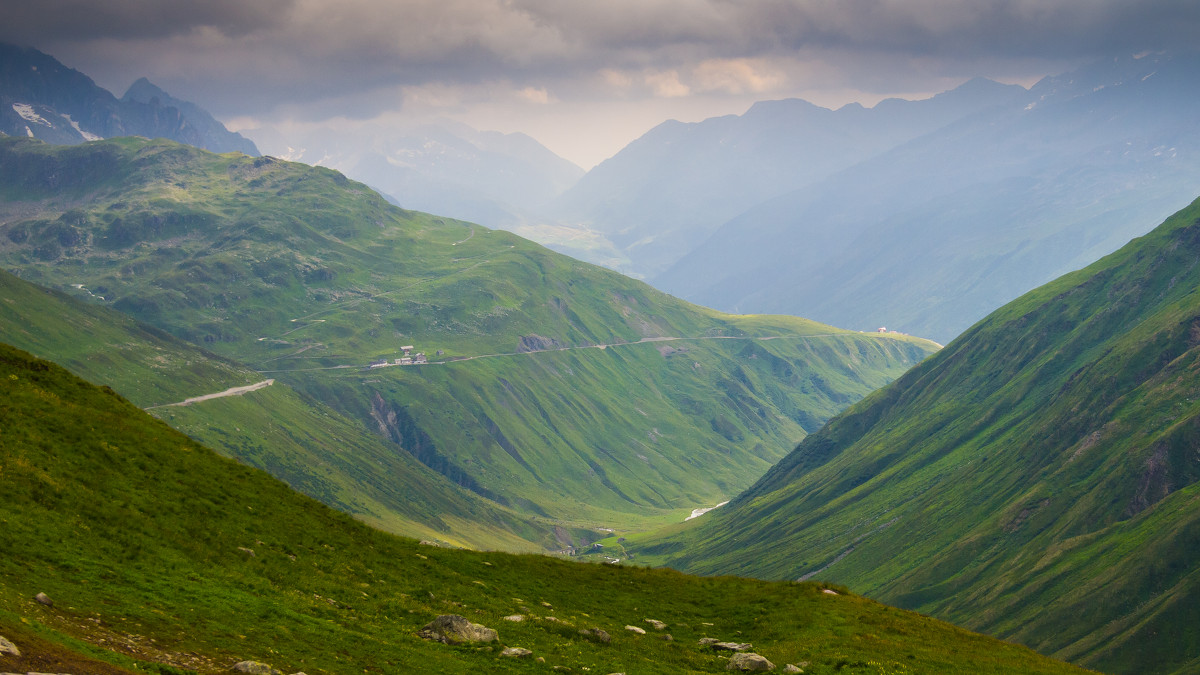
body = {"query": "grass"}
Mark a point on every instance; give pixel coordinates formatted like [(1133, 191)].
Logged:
[(1036, 479), (143, 539), (305, 276)]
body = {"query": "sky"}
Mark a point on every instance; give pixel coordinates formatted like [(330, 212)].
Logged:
[(583, 77)]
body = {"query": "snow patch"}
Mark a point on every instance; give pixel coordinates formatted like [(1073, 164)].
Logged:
[(87, 135), (26, 112), (696, 513)]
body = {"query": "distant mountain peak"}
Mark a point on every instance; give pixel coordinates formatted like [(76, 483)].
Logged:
[(73, 109)]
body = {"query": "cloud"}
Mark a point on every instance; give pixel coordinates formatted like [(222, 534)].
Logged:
[(359, 58)]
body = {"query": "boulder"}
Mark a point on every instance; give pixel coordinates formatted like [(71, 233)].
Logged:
[(656, 624), (792, 668), (517, 652), (44, 599), (453, 629), (515, 617), (732, 646), (7, 647), (749, 662), (596, 634), (254, 668), (708, 641), (635, 629)]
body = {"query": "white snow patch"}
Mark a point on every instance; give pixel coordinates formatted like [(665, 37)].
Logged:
[(87, 135), (696, 513), (26, 112)]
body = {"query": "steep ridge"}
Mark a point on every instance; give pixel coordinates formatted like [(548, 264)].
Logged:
[(157, 555), (930, 236), (41, 98), (1035, 480), (311, 447), (598, 401), (665, 193)]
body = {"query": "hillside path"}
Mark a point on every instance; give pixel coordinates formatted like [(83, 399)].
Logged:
[(232, 391)]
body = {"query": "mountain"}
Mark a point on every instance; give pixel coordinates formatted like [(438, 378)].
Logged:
[(498, 180), (42, 98), (153, 554), (668, 191), (1035, 480), (311, 447), (552, 387), (928, 237)]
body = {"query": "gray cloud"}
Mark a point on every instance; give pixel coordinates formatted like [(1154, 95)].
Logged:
[(360, 57)]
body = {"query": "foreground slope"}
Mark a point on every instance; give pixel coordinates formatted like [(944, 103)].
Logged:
[(554, 387), (304, 443), (154, 550), (1035, 480)]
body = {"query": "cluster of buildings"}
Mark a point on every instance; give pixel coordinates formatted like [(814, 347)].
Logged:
[(409, 359)]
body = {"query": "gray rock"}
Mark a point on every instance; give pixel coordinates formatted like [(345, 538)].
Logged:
[(667, 636), (732, 646), (515, 617), (596, 634), (708, 641), (44, 599), (7, 647), (254, 668), (749, 661), (791, 668), (658, 625), (517, 652), (635, 629), (453, 629)]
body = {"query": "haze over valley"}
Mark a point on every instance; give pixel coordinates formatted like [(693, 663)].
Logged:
[(429, 337)]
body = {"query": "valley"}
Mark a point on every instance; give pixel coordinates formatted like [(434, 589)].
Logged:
[(1034, 480), (257, 412), (308, 279)]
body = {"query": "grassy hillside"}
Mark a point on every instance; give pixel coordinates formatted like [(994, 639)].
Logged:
[(1035, 480), (311, 447), (161, 556), (308, 277)]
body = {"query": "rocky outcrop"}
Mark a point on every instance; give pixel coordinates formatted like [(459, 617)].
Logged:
[(537, 343), (517, 652), (8, 648), (254, 668), (453, 629), (596, 635), (749, 662)]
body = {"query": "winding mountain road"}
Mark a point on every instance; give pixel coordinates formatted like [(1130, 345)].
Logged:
[(232, 391)]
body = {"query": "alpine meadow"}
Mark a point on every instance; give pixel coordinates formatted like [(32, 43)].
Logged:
[(679, 336)]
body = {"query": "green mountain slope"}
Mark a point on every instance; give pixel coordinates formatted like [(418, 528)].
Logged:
[(311, 447), (1035, 480), (309, 277), (160, 556)]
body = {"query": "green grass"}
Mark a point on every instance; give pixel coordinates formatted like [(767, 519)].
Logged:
[(1035, 480), (301, 441), (142, 539), (296, 271)]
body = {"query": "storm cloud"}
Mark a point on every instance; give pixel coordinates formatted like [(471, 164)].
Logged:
[(360, 58)]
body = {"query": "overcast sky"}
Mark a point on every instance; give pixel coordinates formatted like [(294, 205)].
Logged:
[(583, 77)]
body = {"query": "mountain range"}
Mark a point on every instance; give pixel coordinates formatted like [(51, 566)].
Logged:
[(929, 237), (1035, 480), (552, 388), (42, 98)]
